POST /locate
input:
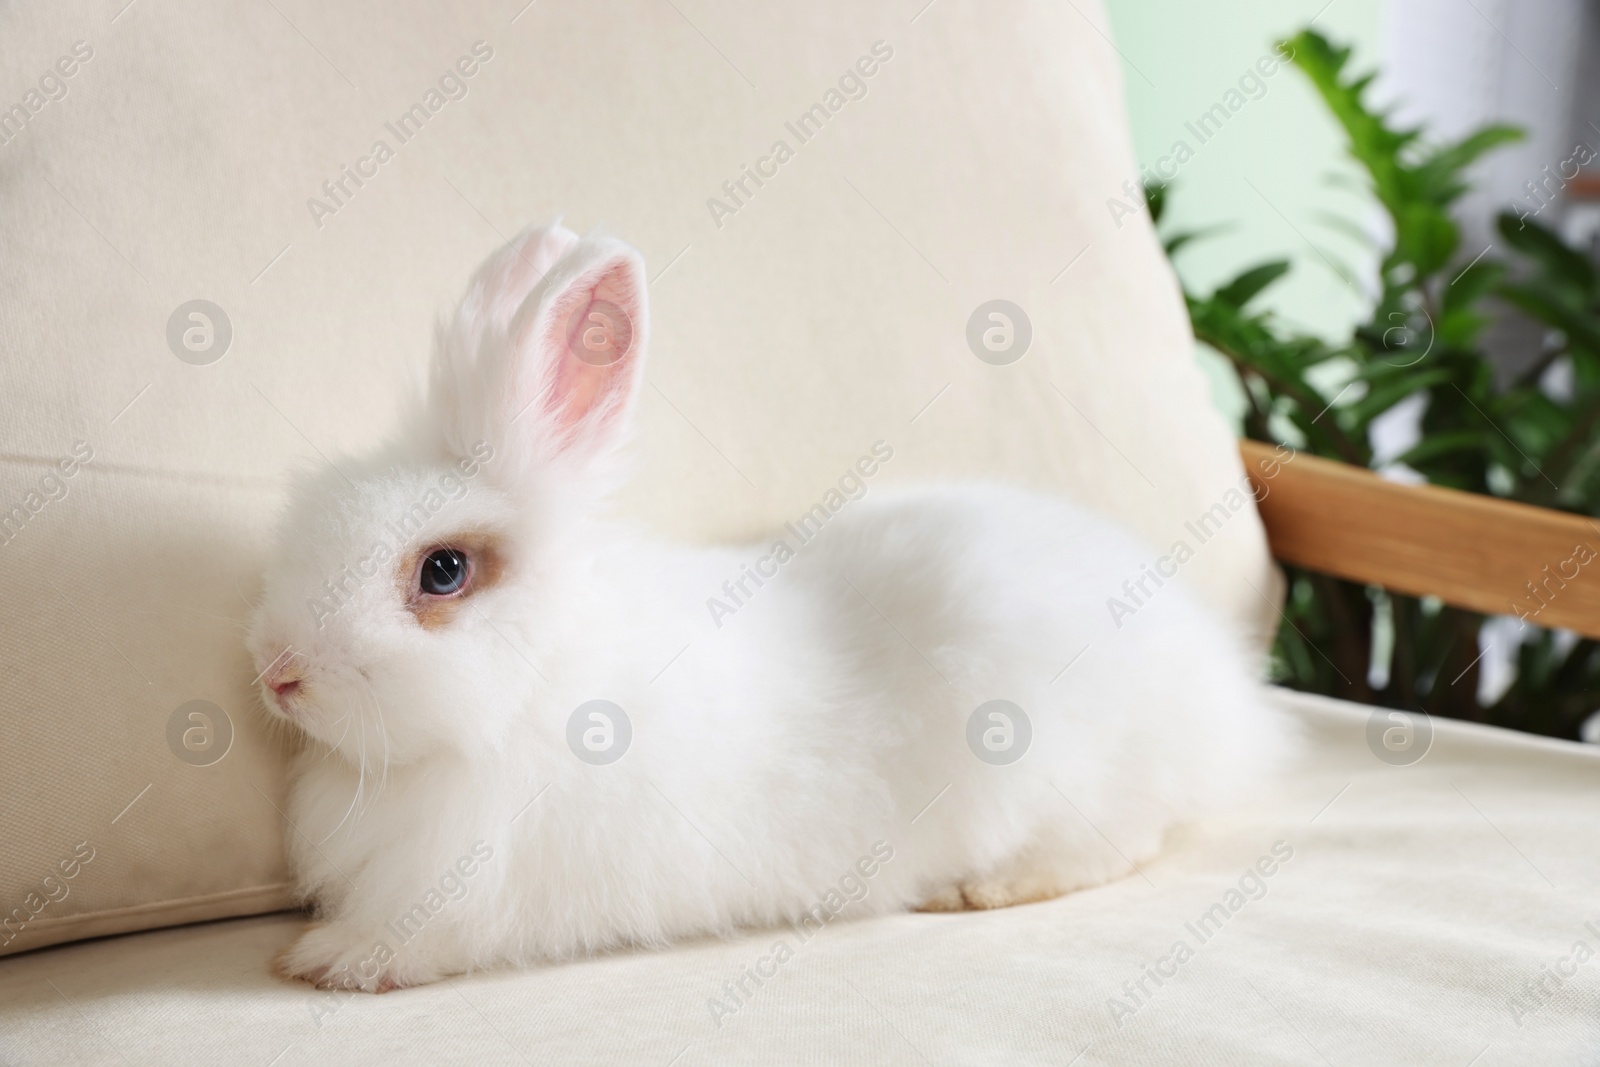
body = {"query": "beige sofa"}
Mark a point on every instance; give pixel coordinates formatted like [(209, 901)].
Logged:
[(214, 275)]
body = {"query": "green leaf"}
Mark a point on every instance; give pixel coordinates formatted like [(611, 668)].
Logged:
[(1179, 240), (1579, 324), (1460, 328), (1381, 399), (1155, 199), (1243, 288), (1415, 186), (1541, 244), (1471, 285), (1373, 143), (1425, 237), (1436, 446), (1441, 172)]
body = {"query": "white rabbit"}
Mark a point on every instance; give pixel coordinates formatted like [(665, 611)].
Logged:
[(435, 625)]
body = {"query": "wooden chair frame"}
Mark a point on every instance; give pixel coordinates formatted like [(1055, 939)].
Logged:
[(1473, 551)]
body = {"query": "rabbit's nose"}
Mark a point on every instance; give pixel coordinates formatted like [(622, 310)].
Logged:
[(283, 675)]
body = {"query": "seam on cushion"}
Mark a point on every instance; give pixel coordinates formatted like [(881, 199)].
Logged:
[(237, 481), (56, 930)]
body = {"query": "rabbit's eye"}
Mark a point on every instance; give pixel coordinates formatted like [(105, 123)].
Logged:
[(439, 576), (444, 572)]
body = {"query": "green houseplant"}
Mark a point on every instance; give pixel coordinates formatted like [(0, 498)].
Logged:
[(1515, 437)]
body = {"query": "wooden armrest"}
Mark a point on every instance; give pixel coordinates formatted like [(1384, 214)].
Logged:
[(1473, 551)]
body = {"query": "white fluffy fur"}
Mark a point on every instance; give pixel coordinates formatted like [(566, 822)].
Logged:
[(773, 753)]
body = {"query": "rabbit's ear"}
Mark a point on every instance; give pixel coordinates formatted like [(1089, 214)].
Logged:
[(545, 352), (577, 343), (501, 286)]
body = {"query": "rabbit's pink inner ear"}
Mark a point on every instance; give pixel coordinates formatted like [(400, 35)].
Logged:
[(592, 334)]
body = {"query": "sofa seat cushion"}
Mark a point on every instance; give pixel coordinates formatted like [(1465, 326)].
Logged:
[(1439, 913)]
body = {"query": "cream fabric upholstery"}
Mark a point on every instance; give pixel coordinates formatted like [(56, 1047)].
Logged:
[(178, 150), (1418, 906)]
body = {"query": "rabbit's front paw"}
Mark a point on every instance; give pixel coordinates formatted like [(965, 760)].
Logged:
[(1035, 876), (331, 956), (1017, 886)]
